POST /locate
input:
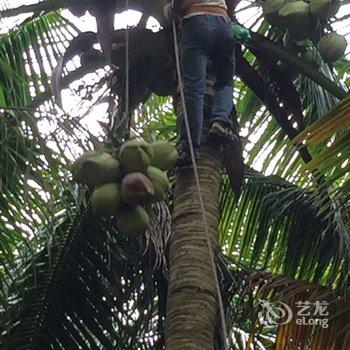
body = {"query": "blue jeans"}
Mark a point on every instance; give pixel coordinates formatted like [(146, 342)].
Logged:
[(206, 37)]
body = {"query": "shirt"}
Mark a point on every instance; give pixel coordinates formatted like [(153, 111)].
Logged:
[(193, 3)]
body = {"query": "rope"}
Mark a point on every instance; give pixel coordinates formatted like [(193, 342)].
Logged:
[(200, 197), (125, 116), (127, 65)]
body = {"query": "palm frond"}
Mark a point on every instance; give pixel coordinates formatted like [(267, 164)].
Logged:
[(268, 307), (329, 136), (336, 120), (279, 227), (28, 55), (92, 288)]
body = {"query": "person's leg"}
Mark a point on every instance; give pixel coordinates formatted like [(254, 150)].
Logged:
[(224, 67), (193, 65)]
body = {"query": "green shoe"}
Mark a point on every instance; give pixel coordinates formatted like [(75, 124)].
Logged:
[(221, 133)]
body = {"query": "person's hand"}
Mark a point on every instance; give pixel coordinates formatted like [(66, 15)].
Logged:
[(240, 33), (168, 12)]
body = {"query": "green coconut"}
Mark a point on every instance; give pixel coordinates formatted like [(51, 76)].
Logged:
[(164, 155), (106, 200), (100, 169), (135, 156), (133, 221), (96, 168), (79, 175), (296, 15), (136, 188), (332, 47), (160, 182), (324, 8), (271, 11)]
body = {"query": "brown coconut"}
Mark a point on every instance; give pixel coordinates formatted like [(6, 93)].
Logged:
[(136, 188)]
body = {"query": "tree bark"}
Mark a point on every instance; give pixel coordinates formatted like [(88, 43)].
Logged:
[(192, 305)]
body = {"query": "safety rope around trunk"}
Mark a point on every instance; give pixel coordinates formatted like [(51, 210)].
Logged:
[(200, 197)]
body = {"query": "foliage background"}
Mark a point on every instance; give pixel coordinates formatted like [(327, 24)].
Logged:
[(285, 223)]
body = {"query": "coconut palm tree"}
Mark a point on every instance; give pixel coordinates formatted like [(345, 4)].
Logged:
[(71, 281)]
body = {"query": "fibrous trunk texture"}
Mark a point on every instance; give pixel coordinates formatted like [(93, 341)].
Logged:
[(192, 305)]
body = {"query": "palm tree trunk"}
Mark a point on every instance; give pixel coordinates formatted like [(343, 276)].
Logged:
[(192, 298)]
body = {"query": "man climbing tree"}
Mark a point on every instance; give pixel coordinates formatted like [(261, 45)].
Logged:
[(206, 35)]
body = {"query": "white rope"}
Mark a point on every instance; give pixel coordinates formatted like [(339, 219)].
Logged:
[(200, 197), (127, 65)]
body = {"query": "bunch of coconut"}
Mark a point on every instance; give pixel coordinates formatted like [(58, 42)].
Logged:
[(295, 15), (126, 185), (301, 19)]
